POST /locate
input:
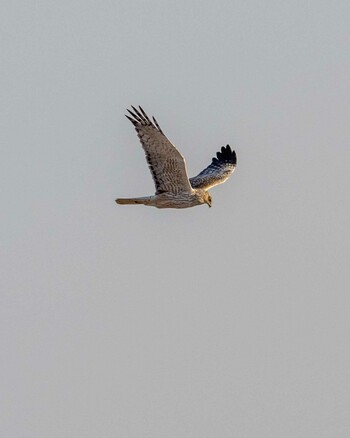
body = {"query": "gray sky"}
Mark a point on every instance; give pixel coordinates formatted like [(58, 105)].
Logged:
[(136, 322)]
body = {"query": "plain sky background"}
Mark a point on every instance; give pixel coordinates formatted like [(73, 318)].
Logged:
[(136, 322)]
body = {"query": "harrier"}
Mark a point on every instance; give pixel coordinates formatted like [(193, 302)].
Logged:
[(168, 167)]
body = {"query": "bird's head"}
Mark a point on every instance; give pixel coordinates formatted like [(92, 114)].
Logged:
[(207, 198)]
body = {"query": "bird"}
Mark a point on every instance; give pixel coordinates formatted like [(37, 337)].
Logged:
[(174, 189)]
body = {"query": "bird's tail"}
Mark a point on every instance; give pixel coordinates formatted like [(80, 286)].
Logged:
[(134, 201)]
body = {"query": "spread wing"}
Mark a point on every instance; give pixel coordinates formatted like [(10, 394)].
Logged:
[(167, 165), (220, 169)]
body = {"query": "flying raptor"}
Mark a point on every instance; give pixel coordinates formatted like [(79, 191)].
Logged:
[(168, 167)]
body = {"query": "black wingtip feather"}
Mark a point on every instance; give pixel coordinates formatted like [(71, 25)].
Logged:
[(157, 125), (144, 114), (134, 122), (138, 113), (139, 117), (226, 155), (134, 116)]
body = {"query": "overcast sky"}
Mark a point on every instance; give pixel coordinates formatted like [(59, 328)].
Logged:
[(128, 321)]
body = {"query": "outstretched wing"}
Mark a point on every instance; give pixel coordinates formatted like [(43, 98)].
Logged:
[(220, 169), (167, 165)]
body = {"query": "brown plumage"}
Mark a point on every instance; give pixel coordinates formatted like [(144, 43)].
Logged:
[(168, 168)]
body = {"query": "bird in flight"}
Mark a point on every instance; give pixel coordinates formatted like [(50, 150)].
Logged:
[(174, 189)]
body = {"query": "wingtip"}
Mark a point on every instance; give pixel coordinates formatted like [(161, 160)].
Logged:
[(134, 122), (226, 154), (234, 157)]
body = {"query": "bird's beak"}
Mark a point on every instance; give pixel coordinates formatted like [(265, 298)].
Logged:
[(209, 204)]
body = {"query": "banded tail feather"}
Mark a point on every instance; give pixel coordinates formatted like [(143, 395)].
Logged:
[(134, 201)]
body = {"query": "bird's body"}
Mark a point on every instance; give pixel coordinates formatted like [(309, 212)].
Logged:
[(173, 187), (170, 200)]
